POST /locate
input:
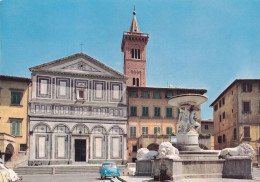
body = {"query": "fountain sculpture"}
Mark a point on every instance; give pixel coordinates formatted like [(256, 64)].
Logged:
[(188, 124)]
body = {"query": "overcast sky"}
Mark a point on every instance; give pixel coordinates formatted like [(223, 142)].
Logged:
[(193, 43)]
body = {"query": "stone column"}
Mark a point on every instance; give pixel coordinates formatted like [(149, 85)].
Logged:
[(91, 146), (124, 149), (108, 144)]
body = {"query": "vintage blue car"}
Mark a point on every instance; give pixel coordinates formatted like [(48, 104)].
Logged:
[(109, 169)]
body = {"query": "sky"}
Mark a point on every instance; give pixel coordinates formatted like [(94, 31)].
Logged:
[(202, 44)]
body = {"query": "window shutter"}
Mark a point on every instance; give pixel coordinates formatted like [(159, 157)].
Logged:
[(13, 126), (247, 131), (18, 129)]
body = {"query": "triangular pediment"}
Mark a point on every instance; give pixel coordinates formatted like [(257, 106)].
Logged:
[(79, 64)]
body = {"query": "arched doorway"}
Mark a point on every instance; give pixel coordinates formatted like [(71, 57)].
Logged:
[(9, 151), (153, 146)]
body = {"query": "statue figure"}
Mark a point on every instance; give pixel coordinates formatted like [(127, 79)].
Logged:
[(145, 154), (166, 150), (241, 150), (188, 119)]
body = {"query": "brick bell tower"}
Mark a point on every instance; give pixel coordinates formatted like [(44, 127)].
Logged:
[(134, 48)]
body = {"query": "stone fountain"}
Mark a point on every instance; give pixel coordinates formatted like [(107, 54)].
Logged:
[(188, 125)]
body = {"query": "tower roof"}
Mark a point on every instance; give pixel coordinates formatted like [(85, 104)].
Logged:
[(134, 26)]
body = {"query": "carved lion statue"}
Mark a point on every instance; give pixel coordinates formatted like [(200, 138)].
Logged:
[(166, 150), (241, 150), (145, 154)]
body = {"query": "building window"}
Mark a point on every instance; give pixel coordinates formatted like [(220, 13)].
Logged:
[(23, 147), (168, 112), (145, 111), (44, 87), (219, 139), (246, 107), (216, 107), (219, 103), (132, 132), (235, 133), (247, 87), (206, 127), (224, 138), (157, 112), (81, 89), (133, 93), (134, 148), (145, 130), (133, 111), (16, 128), (16, 98), (224, 115), (246, 131), (80, 94), (145, 94), (223, 101), (168, 130), (156, 130), (156, 95), (168, 94), (135, 53), (219, 118)]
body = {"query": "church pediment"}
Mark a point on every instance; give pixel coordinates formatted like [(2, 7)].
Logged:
[(79, 64)]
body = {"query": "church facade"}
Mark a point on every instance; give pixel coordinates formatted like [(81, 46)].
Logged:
[(77, 112)]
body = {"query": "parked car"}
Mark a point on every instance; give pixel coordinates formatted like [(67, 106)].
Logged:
[(7, 175), (129, 169), (109, 169)]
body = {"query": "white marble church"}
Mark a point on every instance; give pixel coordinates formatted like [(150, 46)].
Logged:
[(77, 112)]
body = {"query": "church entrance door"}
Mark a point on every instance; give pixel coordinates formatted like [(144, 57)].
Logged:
[(80, 150)]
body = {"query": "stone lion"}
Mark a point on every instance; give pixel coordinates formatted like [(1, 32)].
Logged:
[(145, 154), (241, 150), (166, 150)]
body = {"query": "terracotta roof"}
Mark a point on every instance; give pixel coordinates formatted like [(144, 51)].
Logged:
[(207, 120), (14, 78), (235, 81), (203, 91), (134, 26)]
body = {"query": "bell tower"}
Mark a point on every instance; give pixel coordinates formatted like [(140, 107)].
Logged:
[(134, 48)]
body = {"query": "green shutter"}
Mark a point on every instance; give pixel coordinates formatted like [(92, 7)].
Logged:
[(168, 130), (18, 129), (13, 126), (132, 132)]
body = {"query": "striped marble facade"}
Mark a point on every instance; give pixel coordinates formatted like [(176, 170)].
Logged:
[(77, 112)]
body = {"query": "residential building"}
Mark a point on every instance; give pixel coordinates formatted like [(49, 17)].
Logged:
[(13, 119), (236, 115), (77, 112), (206, 136), (207, 127), (151, 119)]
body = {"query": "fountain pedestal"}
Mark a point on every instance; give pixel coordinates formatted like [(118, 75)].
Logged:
[(188, 141)]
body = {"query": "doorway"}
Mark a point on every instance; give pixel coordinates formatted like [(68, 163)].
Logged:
[(9, 152), (80, 150)]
